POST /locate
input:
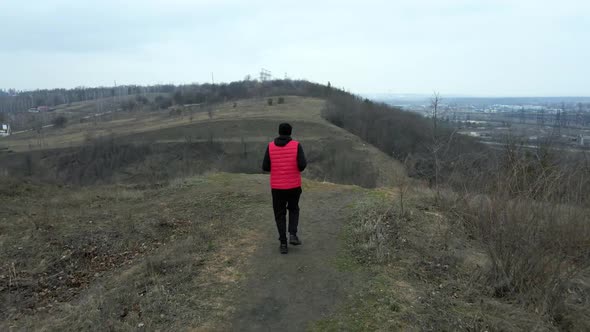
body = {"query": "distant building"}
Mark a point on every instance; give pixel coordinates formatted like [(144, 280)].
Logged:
[(584, 140), (40, 109), (5, 130)]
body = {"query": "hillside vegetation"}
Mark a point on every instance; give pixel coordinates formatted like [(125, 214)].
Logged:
[(134, 145), (125, 256), (127, 219)]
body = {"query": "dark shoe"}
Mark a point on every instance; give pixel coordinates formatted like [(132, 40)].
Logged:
[(294, 240), (284, 248)]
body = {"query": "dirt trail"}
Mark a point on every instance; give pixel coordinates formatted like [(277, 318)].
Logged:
[(287, 292)]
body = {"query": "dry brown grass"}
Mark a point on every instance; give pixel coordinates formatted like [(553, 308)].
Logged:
[(136, 146), (126, 123), (484, 270), (538, 254), (117, 257), (535, 230)]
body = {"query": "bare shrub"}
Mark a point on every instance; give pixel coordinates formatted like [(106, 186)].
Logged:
[(60, 121), (533, 223), (162, 102), (175, 112), (130, 105), (98, 160), (337, 162), (370, 231)]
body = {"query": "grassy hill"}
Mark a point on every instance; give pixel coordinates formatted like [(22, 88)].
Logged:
[(155, 217), (164, 258), (201, 254), (195, 139)]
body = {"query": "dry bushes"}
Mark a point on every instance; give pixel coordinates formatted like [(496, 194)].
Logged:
[(535, 227), (534, 247), (370, 233), (98, 161), (429, 153)]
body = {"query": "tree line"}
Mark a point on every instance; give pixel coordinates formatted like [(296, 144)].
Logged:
[(180, 94)]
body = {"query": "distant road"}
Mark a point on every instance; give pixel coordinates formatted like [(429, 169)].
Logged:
[(96, 115), (24, 131), (536, 146)]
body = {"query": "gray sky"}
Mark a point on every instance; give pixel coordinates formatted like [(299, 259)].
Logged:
[(470, 47)]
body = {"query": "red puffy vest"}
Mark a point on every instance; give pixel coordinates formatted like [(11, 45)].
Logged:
[(284, 172)]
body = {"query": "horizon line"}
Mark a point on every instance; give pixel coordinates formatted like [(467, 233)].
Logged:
[(392, 94), (459, 95)]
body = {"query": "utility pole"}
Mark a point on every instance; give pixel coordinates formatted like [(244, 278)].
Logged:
[(265, 75), (212, 80), (564, 121), (541, 118), (115, 95), (522, 115), (557, 121)]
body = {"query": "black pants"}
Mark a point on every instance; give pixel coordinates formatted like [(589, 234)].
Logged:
[(283, 200)]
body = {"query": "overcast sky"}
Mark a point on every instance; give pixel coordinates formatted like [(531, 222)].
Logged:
[(468, 47)]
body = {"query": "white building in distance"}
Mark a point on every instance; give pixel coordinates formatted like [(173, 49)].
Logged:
[(5, 130)]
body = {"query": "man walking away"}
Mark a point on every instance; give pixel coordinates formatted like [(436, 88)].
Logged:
[(285, 160)]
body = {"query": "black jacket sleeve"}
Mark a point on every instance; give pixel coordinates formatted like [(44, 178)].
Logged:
[(301, 161), (266, 161)]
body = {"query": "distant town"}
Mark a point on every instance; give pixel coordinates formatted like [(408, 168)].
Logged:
[(562, 121)]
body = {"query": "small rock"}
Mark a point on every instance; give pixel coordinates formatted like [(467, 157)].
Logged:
[(140, 325)]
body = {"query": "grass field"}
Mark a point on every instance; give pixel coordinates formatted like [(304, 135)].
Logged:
[(125, 123), (201, 254), (146, 221), (115, 257), (120, 257), (240, 133)]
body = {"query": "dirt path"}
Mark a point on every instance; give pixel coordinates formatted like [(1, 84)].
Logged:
[(287, 292)]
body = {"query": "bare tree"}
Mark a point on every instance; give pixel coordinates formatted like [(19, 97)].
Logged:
[(441, 140), (403, 186), (244, 147), (435, 147), (435, 104)]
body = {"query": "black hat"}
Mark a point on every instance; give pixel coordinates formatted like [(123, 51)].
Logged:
[(285, 129)]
